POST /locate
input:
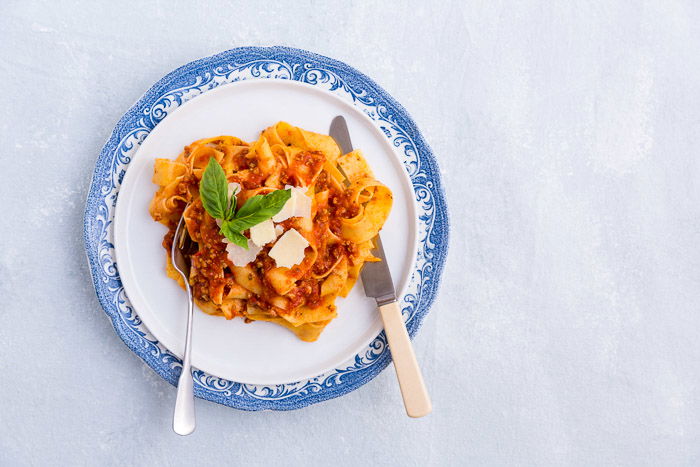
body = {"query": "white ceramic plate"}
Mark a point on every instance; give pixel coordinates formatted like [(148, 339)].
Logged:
[(255, 353)]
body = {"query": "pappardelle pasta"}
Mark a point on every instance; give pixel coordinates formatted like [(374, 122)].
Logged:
[(287, 269)]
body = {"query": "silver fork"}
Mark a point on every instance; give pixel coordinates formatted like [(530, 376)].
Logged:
[(184, 419)]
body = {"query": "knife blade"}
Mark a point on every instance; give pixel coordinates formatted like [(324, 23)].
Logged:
[(376, 277)]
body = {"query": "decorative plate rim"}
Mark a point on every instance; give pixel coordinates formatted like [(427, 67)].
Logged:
[(198, 77)]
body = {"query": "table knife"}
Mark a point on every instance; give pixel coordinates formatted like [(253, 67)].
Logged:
[(377, 282)]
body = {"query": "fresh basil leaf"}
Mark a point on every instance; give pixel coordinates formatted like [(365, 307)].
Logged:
[(250, 206), (259, 208), (231, 211), (213, 189), (234, 236)]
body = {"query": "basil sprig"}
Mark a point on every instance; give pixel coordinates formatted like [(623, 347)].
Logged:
[(213, 189)]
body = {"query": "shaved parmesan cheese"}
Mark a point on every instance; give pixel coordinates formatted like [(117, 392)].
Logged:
[(279, 230), (263, 233), (302, 206), (289, 249), (287, 210), (233, 187), (298, 205), (240, 256)]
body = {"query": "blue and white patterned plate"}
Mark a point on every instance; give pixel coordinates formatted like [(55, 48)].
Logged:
[(278, 63)]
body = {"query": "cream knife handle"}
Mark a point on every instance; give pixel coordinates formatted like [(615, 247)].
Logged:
[(415, 396)]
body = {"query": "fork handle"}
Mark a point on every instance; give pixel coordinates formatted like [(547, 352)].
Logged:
[(415, 396), (184, 420), (184, 417)]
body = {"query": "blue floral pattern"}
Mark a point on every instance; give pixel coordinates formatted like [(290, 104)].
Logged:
[(248, 63)]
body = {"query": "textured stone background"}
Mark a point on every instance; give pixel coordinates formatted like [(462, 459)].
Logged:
[(566, 331)]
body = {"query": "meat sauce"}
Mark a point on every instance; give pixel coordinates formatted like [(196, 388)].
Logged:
[(211, 268)]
